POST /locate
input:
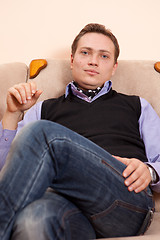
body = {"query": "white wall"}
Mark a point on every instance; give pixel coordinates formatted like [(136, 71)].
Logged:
[(32, 29)]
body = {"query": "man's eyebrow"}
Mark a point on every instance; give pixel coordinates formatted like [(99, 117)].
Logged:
[(104, 51), (100, 50), (88, 48)]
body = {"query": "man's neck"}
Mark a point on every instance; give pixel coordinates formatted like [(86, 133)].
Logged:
[(88, 92)]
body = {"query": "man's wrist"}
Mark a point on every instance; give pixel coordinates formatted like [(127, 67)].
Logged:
[(154, 177), (10, 120)]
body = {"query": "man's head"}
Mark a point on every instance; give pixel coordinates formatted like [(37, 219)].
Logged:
[(94, 56), (96, 28)]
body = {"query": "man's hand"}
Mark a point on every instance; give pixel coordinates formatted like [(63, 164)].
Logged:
[(20, 98), (136, 173)]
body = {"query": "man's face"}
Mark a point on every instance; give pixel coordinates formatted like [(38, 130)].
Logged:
[(93, 63)]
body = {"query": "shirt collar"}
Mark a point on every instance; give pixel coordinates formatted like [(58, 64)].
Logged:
[(70, 87)]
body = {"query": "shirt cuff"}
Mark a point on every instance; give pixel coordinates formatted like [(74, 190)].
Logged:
[(6, 138), (156, 166)]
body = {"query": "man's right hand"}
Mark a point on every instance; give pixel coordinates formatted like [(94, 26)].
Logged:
[(20, 98)]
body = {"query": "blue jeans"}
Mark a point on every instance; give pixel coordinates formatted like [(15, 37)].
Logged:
[(46, 154), (52, 217)]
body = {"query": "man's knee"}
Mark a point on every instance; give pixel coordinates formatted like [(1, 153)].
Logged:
[(43, 130), (54, 216), (32, 216), (33, 221)]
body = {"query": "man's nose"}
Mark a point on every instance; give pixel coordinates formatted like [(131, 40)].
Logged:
[(93, 60)]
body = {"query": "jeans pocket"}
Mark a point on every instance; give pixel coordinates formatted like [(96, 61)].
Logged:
[(121, 219)]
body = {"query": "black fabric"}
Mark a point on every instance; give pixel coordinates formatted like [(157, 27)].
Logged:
[(89, 93), (111, 121)]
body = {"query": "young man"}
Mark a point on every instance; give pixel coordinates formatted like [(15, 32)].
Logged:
[(84, 170)]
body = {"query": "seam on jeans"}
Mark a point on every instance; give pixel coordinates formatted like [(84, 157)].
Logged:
[(148, 194), (121, 204), (105, 163), (68, 214)]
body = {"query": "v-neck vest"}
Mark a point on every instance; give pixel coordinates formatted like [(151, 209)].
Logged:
[(111, 121)]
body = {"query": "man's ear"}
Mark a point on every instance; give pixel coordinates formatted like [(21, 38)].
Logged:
[(114, 68), (71, 61)]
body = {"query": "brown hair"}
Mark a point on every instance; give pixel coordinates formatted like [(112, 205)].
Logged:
[(96, 28)]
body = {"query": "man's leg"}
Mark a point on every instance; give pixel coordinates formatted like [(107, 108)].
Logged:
[(52, 217), (48, 154)]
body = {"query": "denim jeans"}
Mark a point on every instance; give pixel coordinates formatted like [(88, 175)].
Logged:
[(45, 154), (52, 217)]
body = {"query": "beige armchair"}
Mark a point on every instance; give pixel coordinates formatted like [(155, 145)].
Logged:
[(132, 77)]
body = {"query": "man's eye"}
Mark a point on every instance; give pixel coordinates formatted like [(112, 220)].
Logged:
[(84, 52), (104, 56)]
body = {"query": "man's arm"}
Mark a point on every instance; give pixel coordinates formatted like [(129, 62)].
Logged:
[(149, 124), (10, 123), (7, 136), (137, 174)]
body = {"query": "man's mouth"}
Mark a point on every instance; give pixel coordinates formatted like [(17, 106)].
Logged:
[(91, 72)]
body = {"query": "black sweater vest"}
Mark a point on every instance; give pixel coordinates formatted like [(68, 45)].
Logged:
[(111, 121)]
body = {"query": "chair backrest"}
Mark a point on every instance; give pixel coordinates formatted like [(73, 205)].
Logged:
[(10, 74), (132, 77)]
